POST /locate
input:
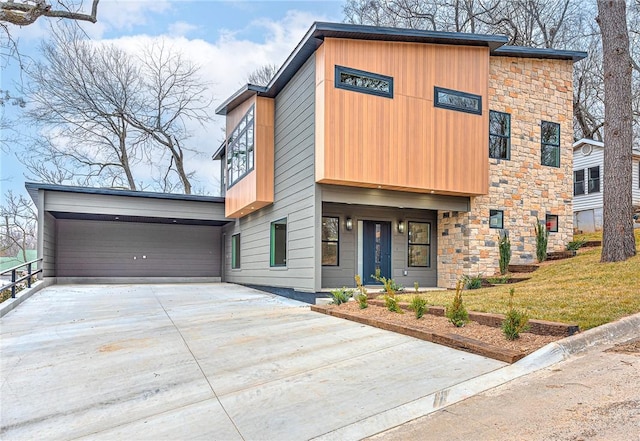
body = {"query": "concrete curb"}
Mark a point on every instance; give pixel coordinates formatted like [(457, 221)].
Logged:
[(553, 353), (11, 304)]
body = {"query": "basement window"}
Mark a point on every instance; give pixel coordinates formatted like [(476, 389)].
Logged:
[(552, 223), (362, 81)]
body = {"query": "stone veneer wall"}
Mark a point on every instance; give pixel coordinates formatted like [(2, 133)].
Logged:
[(531, 90)]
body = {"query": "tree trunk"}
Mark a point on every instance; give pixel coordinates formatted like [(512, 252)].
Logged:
[(618, 242)]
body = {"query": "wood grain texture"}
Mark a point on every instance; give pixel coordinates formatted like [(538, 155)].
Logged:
[(403, 143), (255, 190)]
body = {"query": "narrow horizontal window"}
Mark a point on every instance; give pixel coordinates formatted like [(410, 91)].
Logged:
[(456, 100), (330, 240), (552, 223), (419, 244), (578, 182), (550, 143), (499, 135), (496, 219), (361, 81), (240, 149), (594, 179)]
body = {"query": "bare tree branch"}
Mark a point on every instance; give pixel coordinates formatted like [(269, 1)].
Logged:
[(27, 12)]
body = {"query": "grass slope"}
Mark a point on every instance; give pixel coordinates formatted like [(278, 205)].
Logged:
[(578, 290)]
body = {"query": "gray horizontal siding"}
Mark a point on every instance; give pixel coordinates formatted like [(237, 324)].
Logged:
[(107, 249), (49, 245), (294, 197), (343, 275)]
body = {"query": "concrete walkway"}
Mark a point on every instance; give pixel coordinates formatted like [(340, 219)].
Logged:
[(213, 361)]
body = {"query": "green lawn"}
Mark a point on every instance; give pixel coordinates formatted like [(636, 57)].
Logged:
[(578, 290)]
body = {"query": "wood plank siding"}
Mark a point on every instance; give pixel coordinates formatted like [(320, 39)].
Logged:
[(295, 198), (404, 142), (255, 189)]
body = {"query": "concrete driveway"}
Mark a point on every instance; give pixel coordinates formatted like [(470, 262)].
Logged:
[(208, 361)]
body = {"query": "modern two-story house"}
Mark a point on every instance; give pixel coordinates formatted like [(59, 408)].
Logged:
[(399, 151), (588, 184)]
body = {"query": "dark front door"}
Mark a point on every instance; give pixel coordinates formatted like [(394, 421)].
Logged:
[(376, 249)]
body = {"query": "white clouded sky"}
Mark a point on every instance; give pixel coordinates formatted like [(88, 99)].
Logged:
[(227, 39)]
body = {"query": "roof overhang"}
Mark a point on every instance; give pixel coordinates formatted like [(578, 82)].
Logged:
[(533, 52)]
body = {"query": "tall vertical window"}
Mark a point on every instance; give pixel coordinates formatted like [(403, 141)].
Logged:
[(330, 240), (552, 223), (496, 219), (279, 243), (499, 135), (594, 179), (235, 251), (578, 182), (240, 149), (550, 143), (419, 244)]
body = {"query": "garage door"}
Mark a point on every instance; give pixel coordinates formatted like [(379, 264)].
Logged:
[(91, 248)]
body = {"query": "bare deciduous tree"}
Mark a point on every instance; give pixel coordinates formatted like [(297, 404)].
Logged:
[(19, 222), (618, 242), (26, 12), (262, 75)]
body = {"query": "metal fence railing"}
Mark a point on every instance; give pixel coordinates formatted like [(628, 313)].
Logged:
[(25, 275)]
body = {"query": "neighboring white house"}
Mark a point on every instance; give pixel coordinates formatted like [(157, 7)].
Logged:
[(588, 167)]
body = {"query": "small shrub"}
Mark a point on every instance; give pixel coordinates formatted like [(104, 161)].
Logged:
[(515, 321), (359, 287), (392, 304), (472, 282), (457, 313), (418, 305), (542, 238), (341, 295), (416, 287), (363, 301), (575, 245), (501, 280), (389, 285), (504, 246)]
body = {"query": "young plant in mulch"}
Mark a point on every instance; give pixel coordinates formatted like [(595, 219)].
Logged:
[(341, 295), (472, 282), (542, 238), (389, 285), (391, 302), (416, 287), (361, 297), (418, 305), (457, 313), (515, 321), (504, 246)]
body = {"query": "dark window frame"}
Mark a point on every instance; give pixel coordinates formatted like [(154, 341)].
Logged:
[(547, 221), (436, 100), (500, 136), (593, 183), (361, 73), (493, 213), (233, 141), (546, 144), (337, 241), (411, 244), (273, 245), (235, 251), (576, 181)]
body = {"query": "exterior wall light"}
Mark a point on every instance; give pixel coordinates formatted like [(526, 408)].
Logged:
[(349, 224), (401, 226)]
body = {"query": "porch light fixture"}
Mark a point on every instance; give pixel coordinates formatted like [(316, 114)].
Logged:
[(401, 226), (349, 224)]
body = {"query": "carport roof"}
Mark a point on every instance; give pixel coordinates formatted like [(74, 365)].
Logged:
[(33, 187)]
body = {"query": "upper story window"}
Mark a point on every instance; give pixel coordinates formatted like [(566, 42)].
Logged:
[(361, 81), (550, 142), (240, 149), (499, 135), (594, 179), (456, 100), (578, 182)]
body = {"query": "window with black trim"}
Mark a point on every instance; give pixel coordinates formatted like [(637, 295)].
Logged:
[(578, 182), (550, 143), (419, 244), (496, 219), (362, 81), (499, 135), (330, 240), (456, 100), (240, 149), (279, 243), (552, 223), (594, 179), (235, 251)]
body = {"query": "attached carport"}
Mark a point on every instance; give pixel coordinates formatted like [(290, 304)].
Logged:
[(120, 235)]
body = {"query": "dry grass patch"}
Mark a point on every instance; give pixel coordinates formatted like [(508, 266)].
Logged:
[(578, 290)]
